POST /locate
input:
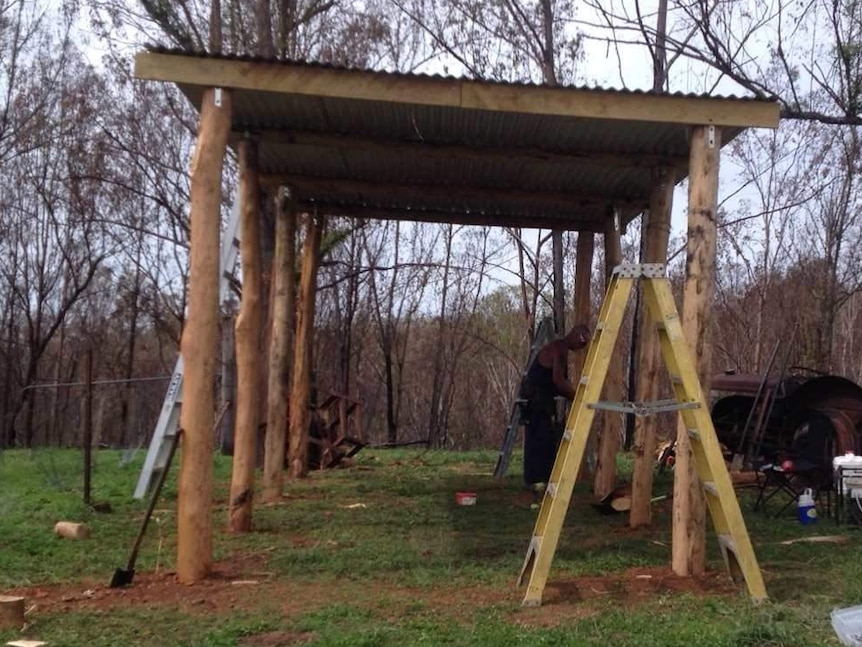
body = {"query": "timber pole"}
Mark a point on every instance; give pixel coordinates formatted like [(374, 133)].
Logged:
[(689, 530), (582, 298), (248, 343), (582, 314), (656, 233), (283, 318), (302, 358), (609, 441), (200, 342)]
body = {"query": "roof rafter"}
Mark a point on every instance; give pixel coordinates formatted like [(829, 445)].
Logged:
[(458, 151)]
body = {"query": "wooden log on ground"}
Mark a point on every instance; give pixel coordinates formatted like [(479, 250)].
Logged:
[(302, 362), (609, 440), (283, 318), (71, 530), (11, 612), (200, 342), (248, 344), (689, 508), (656, 233)]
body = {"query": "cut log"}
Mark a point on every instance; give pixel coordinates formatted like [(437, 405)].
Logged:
[(689, 508), (11, 612), (656, 232), (71, 530), (248, 345), (200, 341), (622, 503)]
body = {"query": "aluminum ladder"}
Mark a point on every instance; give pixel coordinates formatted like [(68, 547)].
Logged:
[(727, 519), (543, 335), (169, 417)]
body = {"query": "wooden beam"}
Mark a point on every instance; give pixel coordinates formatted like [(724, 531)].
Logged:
[(430, 150), (248, 344), (302, 362), (352, 85), (374, 212), (199, 342), (689, 511), (312, 188), (283, 318), (656, 232), (609, 440)]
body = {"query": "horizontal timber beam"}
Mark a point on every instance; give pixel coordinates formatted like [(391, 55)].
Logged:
[(454, 151), (379, 212), (309, 80), (460, 197)]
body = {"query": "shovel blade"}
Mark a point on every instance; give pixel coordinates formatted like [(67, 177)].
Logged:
[(122, 577)]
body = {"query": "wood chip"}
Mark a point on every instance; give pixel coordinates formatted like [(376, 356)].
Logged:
[(26, 643), (243, 582), (818, 539)]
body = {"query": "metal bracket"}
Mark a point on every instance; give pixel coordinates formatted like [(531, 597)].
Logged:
[(638, 270), (644, 408), (217, 98), (710, 136)]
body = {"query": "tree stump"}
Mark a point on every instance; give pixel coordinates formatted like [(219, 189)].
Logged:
[(11, 612)]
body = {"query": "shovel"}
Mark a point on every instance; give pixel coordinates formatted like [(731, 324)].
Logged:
[(124, 577)]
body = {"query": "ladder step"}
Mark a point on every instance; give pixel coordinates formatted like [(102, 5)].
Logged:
[(709, 486), (644, 408)]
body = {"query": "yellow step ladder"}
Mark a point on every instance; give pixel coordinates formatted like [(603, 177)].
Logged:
[(727, 518)]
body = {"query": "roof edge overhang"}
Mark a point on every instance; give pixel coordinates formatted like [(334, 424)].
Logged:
[(316, 80)]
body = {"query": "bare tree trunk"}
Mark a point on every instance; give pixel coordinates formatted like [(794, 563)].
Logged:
[(434, 417), (657, 233), (689, 531), (582, 315), (609, 441), (215, 27), (199, 342), (248, 344), (302, 362), (283, 318)]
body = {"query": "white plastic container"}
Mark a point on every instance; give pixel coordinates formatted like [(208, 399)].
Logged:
[(847, 623), (852, 481)]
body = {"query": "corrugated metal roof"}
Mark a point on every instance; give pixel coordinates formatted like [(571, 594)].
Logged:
[(418, 160), (158, 49)]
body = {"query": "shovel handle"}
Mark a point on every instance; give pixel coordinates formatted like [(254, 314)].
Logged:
[(152, 504)]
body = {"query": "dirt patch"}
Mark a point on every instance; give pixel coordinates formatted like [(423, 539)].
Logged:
[(579, 598), (278, 639), (244, 583)]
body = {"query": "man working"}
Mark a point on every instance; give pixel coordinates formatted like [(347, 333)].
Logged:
[(546, 379)]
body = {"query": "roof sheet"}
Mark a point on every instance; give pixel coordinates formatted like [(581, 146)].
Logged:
[(392, 145)]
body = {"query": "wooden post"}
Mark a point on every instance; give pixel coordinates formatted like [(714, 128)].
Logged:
[(609, 440), (582, 297), (689, 532), (87, 440), (199, 343), (283, 319), (656, 232), (582, 315), (11, 612), (248, 343), (302, 359)]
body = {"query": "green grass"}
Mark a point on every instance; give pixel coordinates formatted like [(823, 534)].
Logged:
[(386, 559)]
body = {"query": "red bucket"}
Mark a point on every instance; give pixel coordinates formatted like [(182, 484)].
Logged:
[(465, 498)]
